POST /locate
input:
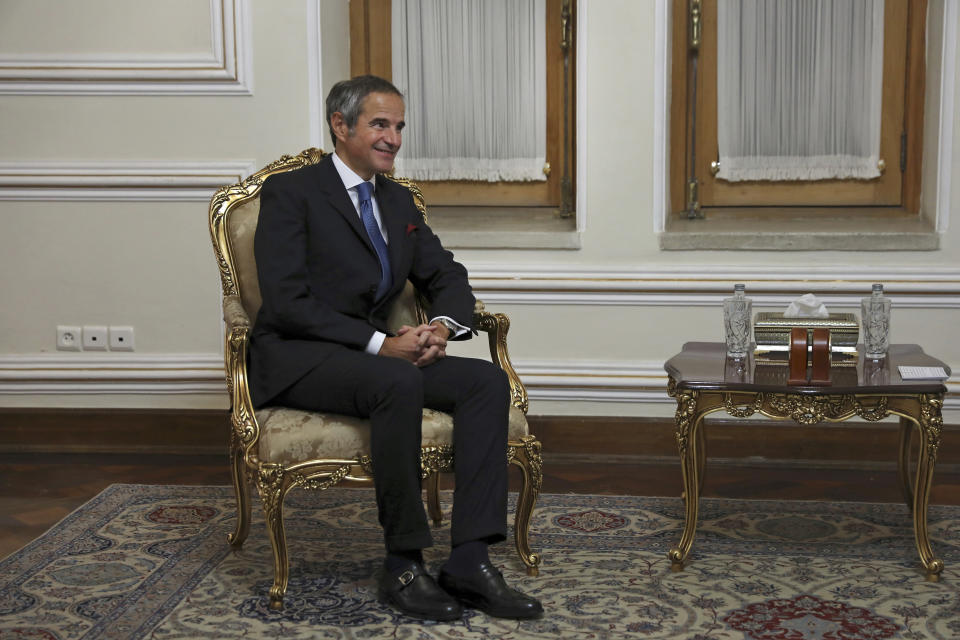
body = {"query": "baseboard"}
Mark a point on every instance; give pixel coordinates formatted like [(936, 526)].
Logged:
[(565, 439), (748, 442), (170, 431)]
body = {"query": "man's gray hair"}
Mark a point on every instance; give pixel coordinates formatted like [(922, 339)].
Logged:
[(347, 97)]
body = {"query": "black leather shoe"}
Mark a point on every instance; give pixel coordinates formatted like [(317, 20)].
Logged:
[(415, 593), (486, 590)]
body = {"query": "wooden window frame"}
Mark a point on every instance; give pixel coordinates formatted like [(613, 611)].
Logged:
[(370, 52), (903, 87)]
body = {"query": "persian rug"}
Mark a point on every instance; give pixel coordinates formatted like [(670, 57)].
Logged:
[(153, 562)]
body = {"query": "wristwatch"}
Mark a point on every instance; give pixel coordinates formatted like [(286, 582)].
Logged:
[(451, 327)]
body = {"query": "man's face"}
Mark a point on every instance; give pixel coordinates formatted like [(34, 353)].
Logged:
[(371, 147)]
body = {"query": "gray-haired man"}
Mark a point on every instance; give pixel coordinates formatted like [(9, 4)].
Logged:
[(335, 244)]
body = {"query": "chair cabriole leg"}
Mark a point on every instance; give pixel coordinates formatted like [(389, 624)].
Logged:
[(271, 486), (433, 498), (241, 489), (526, 455)]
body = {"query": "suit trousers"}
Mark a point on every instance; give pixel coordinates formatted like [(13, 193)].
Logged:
[(392, 393)]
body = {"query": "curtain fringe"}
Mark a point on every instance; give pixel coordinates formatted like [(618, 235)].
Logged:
[(476, 169), (784, 168)]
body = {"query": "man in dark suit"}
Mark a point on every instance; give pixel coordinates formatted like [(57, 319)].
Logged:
[(335, 244)]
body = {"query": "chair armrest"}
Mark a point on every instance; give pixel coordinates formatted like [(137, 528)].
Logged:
[(234, 315), (496, 325), (242, 417)]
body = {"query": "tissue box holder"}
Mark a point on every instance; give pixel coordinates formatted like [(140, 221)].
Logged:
[(771, 332)]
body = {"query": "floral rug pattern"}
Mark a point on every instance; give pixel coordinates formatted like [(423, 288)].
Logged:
[(153, 562)]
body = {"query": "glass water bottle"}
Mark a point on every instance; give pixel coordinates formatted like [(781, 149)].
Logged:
[(736, 323), (875, 315)]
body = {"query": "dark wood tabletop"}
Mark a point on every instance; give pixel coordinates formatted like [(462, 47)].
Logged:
[(705, 365)]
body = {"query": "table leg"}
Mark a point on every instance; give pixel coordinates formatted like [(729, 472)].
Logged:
[(701, 457), (903, 461), (689, 423), (931, 424)]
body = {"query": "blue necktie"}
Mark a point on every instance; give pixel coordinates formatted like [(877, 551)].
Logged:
[(365, 190)]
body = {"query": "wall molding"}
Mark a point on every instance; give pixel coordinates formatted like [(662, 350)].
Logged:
[(226, 69), (594, 381), (705, 285), (642, 382), (116, 180), (661, 119), (315, 101), (951, 16), (109, 373)]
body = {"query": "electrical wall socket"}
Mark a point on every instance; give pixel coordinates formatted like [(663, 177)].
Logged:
[(68, 338), (121, 338), (95, 338)]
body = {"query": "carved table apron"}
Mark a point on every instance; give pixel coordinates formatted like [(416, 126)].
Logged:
[(703, 380)]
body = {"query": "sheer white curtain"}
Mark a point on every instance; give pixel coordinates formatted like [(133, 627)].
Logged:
[(473, 73), (799, 89)]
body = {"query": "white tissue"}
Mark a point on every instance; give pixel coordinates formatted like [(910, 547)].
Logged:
[(806, 306)]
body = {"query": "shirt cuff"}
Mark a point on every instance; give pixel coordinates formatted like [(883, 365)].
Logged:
[(376, 341), (460, 328)]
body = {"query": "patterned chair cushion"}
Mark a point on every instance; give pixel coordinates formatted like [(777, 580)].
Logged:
[(290, 436)]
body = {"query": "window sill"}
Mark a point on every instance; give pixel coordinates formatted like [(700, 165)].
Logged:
[(785, 229), (503, 228)]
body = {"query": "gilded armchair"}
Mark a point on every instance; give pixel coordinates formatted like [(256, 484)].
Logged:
[(277, 449)]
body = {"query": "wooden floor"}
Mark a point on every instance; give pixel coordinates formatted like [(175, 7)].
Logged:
[(39, 489)]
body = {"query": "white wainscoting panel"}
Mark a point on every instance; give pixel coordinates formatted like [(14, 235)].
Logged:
[(226, 68), (87, 374), (706, 285), (584, 381), (202, 373), (121, 181)]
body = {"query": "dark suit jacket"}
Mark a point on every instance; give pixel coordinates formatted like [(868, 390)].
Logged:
[(318, 273)]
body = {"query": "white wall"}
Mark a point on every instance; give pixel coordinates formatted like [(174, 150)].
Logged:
[(590, 328)]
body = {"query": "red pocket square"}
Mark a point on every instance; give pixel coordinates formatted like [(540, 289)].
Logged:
[(411, 228)]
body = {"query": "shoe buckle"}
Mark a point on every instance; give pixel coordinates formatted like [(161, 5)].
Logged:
[(406, 577)]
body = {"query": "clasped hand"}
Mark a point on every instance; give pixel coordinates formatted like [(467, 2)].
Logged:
[(421, 345)]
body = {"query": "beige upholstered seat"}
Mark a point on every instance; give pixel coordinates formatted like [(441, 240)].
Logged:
[(277, 449), (290, 435)]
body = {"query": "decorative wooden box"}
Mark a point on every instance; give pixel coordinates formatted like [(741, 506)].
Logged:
[(771, 331)]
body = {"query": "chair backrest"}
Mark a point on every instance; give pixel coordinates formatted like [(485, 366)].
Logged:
[(233, 215)]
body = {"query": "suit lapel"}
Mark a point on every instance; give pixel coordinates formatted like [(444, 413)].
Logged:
[(336, 194)]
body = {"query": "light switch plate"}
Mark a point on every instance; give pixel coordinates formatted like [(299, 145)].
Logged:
[(121, 339), (94, 338)]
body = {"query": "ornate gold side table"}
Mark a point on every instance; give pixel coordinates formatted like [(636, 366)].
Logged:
[(703, 380)]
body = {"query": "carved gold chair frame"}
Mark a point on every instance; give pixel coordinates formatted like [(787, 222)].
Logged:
[(273, 480)]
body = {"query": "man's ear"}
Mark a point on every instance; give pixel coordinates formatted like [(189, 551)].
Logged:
[(339, 125)]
